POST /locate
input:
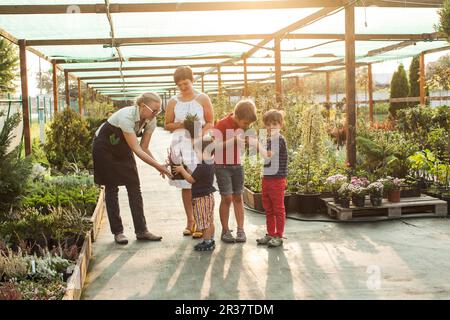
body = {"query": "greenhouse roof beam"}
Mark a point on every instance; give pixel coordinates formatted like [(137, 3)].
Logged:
[(208, 6), (195, 39)]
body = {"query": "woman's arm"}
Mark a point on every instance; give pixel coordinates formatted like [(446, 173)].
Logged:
[(170, 125), (145, 142), (134, 145)]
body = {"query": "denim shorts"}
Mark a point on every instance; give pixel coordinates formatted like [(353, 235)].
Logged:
[(230, 179)]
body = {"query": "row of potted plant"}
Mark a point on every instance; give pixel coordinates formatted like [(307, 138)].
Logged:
[(358, 188)]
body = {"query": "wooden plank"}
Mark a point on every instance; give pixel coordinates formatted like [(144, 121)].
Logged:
[(208, 6), (234, 37), (327, 87), (422, 78), (80, 102), (414, 205), (55, 86), (67, 88), (245, 78), (24, 86), (76, 281), (350, 86), (278, 81), (370, 89), (97, 216)]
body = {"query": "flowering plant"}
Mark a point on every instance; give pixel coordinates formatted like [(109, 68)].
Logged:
[(345, 191), (360, 182), (376, 189), (336, 181), (358, 190), (391, 183)]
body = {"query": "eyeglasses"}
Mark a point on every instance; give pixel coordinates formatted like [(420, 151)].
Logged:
[(154, 112)]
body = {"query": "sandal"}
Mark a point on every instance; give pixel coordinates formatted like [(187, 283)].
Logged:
[(197, 234), (189, 232)]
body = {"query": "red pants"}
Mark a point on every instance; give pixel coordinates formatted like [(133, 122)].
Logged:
[(273, 203)]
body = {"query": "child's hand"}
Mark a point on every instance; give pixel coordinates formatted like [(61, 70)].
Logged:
[(178, 169)]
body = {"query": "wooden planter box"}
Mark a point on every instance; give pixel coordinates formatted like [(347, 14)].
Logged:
[(253, 200), (98, 214), (76, 280), (291, 202)]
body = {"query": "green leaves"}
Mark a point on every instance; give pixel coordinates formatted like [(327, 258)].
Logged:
[(68, 141)]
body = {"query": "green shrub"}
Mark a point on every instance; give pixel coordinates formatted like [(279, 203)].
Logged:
[(14, 171), (68, 141), (399, 89)]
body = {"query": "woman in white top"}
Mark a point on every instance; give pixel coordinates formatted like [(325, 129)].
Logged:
[(187, 102)]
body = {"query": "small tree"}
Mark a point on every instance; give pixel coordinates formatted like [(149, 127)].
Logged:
[(67, 141), (8, 66), (414, 70), (399, 89), (14, 171)]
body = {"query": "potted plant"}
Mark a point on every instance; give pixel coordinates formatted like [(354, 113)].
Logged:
[(345, 193), (334, 183), (312, 147), (375, 191), (358, 195), (359, 191), (392, 186), (252, 184)]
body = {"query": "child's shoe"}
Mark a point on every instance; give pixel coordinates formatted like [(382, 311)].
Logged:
[(240, 236), (205, 246), (264, 240), (275, 242)]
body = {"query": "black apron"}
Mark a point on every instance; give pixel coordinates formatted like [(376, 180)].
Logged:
[(114, 162)]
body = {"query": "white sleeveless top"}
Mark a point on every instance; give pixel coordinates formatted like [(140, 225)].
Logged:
[(180, 144)]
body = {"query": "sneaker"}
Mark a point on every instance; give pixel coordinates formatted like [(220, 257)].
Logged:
[(240, 236), (205, 246), (228, 237), (120, 238), (148, 236), (264, 240), (275, 242)]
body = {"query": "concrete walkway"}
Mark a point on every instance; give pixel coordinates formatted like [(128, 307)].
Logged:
[(385, 260)]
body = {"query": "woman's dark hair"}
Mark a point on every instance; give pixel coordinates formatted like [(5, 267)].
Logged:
[(183, 73)]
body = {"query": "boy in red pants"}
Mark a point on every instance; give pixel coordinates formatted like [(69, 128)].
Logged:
[(274, 179)]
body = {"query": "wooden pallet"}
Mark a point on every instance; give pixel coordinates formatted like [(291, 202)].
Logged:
[(422, 204)]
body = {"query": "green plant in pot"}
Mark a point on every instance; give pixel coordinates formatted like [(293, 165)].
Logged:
[(345, 194), (312, 147), (392, 186), (375, 190)]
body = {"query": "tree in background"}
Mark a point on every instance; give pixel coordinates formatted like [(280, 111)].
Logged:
[(444, 19), (438, 74), (399, 89), (414, 70), (45, 82), (9, 61)]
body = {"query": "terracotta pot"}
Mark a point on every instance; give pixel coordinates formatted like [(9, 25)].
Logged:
[(394, 195)]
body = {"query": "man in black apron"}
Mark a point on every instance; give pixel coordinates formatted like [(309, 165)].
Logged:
[(114, 164)]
